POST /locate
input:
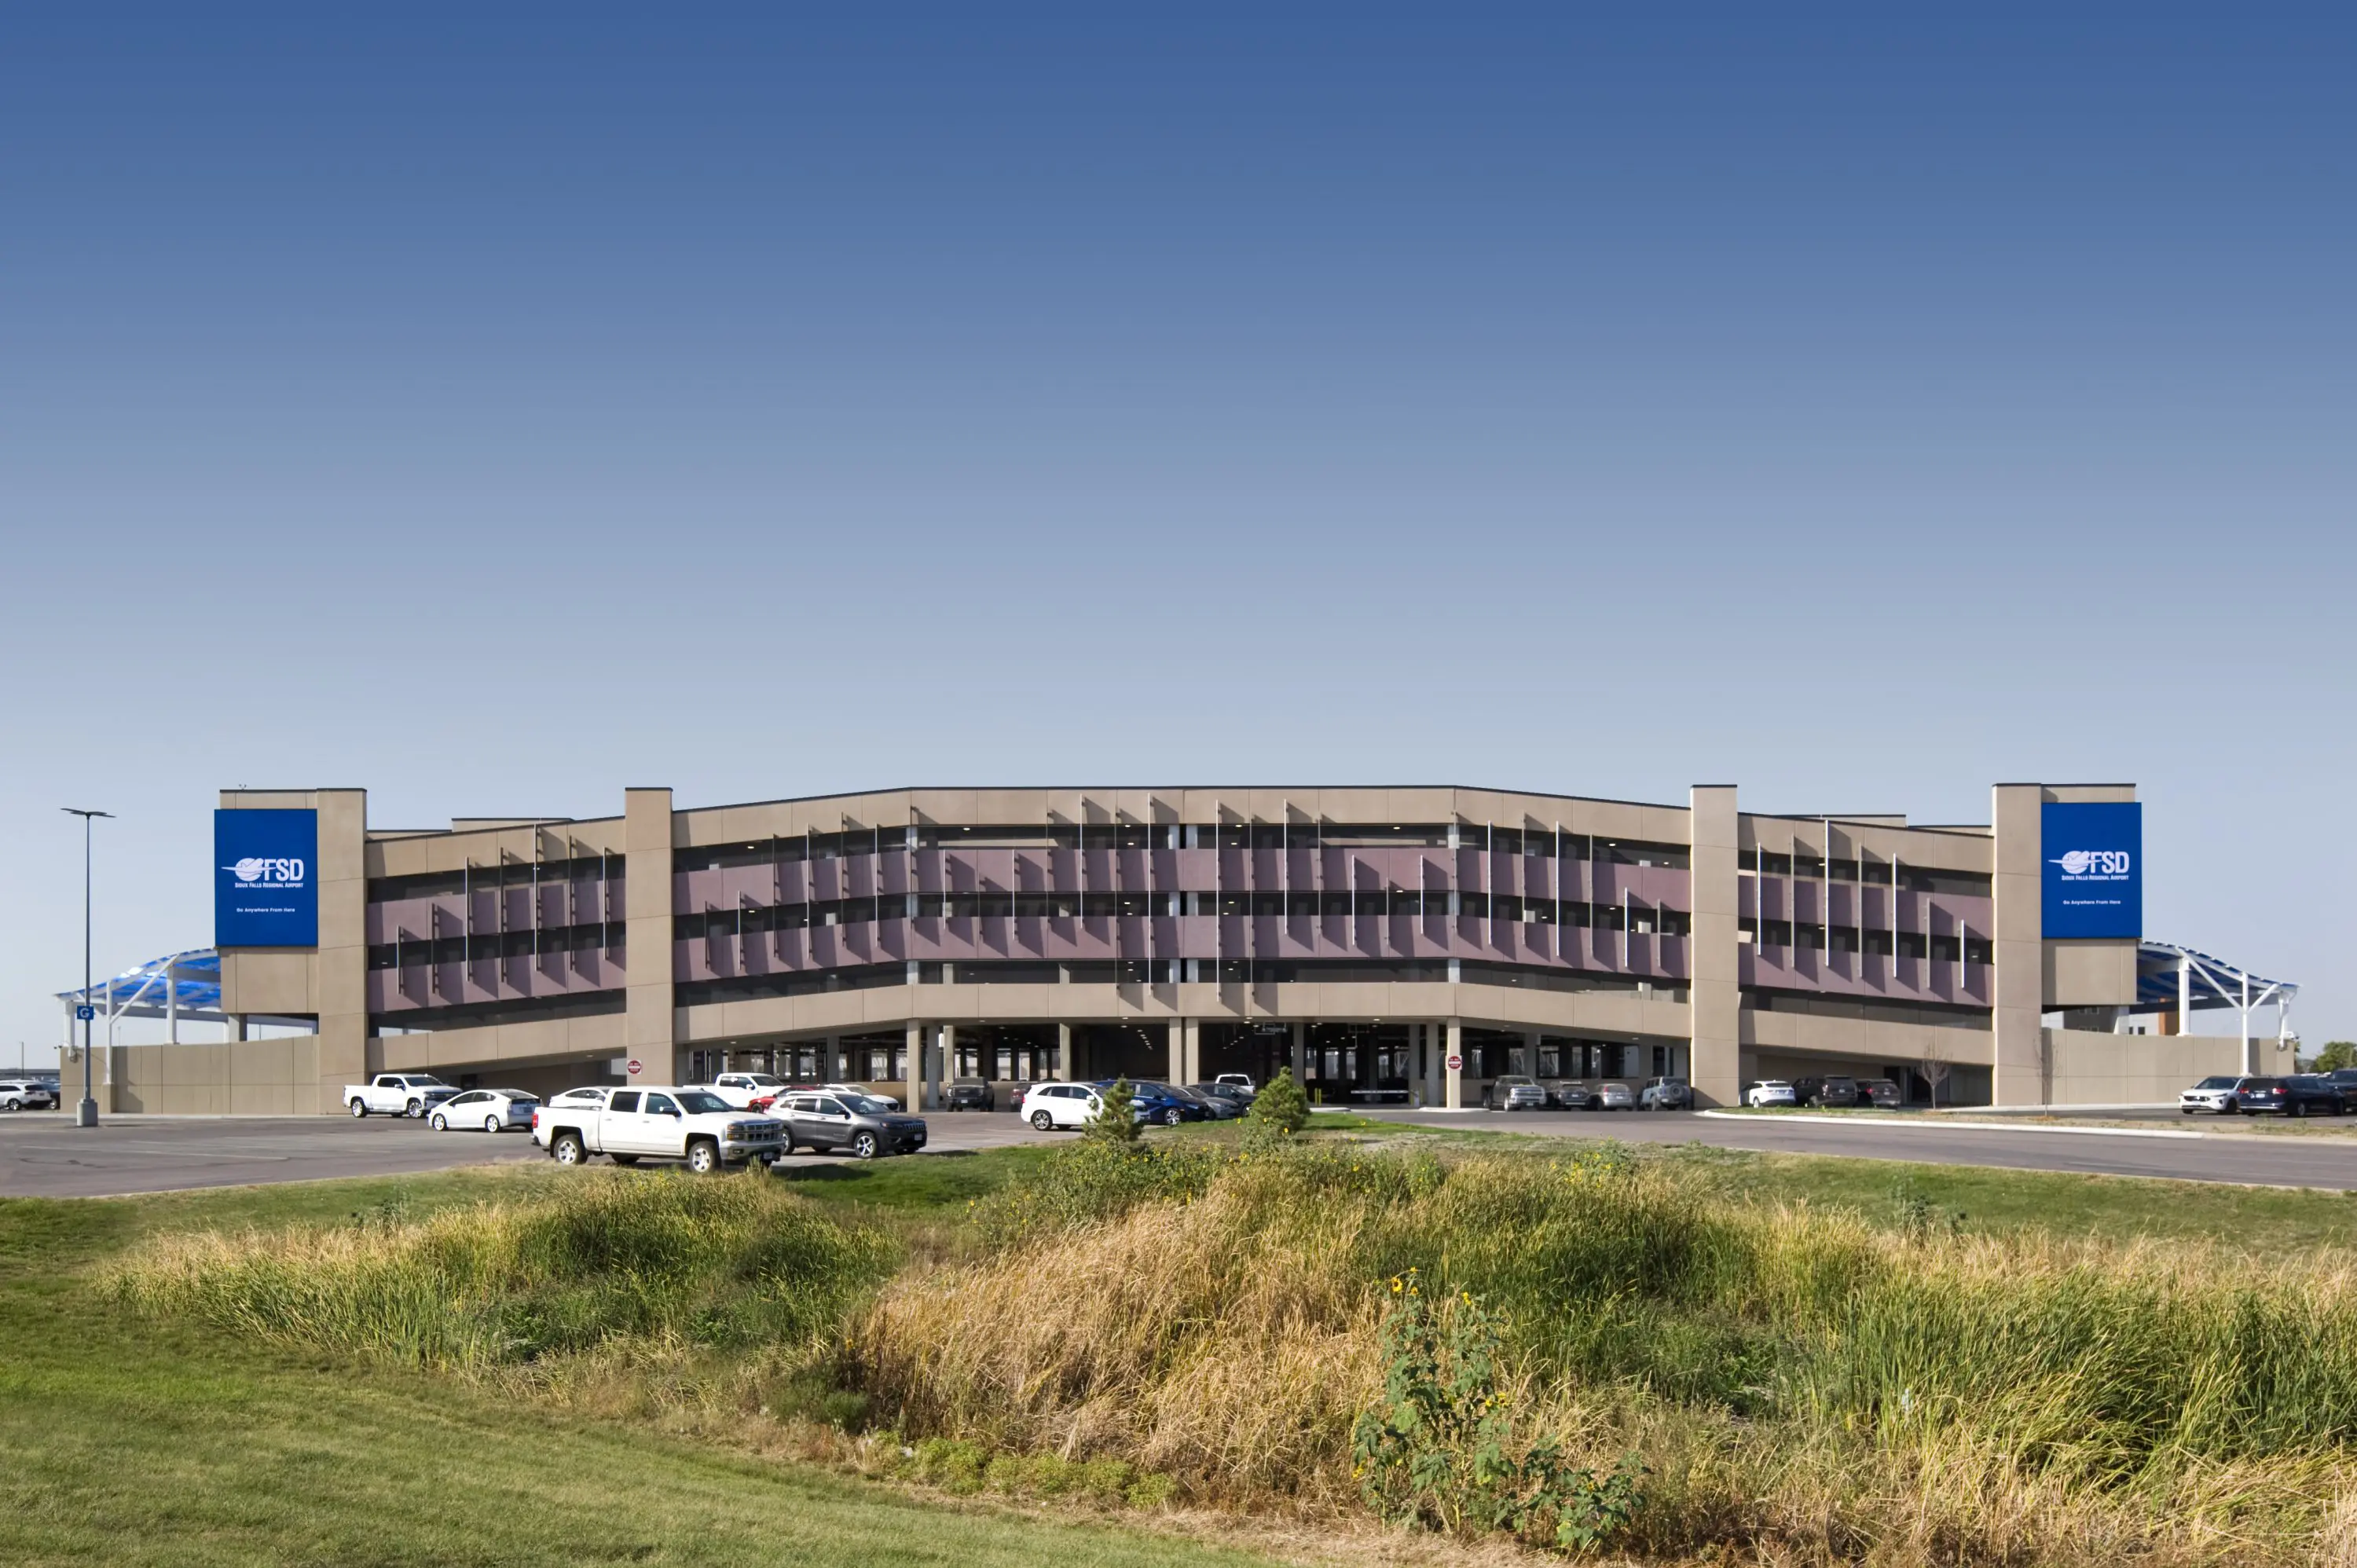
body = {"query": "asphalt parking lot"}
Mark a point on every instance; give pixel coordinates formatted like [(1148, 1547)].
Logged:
[(44, 1154)]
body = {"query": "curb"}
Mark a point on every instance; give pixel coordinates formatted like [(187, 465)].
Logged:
[(1959, 1126)]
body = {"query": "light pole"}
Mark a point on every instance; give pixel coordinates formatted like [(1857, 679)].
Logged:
[(87, 1114)]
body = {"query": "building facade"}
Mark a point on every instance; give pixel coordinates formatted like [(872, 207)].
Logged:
[(1400, 944)]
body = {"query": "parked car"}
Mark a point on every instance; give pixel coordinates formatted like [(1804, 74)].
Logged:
[(657, 1121), (1159, 1102), (2214, 1094), (26, 1094), (1838, 1091), (1052, 1105), (743, 1089), (967, 1094), (397, 1095), (1665, 1094), (1770, 1091), (2300, 1094), (891, 1099), (2344, 1079), (1881, 1093), (1220, 1099), (1593, 1094), (1513, 1092), (492, 1109), (587, 1094), (863, 1123), (1241, 1082)]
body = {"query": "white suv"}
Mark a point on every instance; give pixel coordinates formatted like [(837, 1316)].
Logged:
[(1053, 1106), (25, 1094), (742, 1089), (1770, 1091)]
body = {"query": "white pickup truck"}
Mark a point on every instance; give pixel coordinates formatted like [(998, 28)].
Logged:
[(397, 1095), (659, 1122)]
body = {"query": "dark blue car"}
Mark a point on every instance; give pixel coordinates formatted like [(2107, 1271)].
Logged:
[(1158, 1102)]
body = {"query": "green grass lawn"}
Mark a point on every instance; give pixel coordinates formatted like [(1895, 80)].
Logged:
[(131, 1441)]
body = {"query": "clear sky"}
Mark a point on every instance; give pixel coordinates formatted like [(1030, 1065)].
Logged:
[(497, 406)]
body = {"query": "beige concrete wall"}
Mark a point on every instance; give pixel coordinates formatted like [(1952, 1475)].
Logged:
[(1810, 1033), (2089, 974), (277, 1077), (1714, 1068), (648, 834), (2019, 1048), (2093, 1068), (755, 1020)]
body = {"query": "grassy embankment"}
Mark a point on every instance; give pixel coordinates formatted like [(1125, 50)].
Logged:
[(1816, 1359), (163, 1439)]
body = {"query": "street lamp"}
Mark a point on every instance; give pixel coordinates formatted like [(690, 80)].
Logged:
[(87, 1115)]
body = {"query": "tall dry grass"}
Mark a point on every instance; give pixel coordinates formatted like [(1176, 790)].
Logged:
[(1800, 1383), (607, 1259)]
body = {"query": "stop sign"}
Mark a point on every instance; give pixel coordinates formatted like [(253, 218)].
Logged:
[(1456, 1064), (634, 1066)]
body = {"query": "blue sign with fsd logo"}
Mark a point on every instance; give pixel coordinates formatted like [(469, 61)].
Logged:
[(266, 879), (2094, 868)]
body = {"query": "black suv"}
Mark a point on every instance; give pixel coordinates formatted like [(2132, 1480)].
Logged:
[(967, 1094), (1838, 1092), (2301, 1094)]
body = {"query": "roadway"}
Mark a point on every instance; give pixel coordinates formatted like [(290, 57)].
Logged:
[(2250, 1159), (43, 1155)]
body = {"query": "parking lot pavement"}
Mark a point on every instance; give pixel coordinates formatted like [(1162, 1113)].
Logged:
[(2246, 1160), (44, 1154)]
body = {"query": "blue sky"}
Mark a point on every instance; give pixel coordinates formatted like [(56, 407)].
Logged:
[(495, 410)]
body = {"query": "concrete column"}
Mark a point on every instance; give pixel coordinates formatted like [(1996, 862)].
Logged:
[(1453, 1074), (937, 1066), (1300, 1052), (1714, 955), (1175, 1040), (834, 1069), (1530, 1052), (342, 959), (648, 1024), (2019, 1039), (912, 1064), (1064, 1051)]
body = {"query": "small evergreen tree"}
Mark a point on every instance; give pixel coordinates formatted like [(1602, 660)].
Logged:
[(1116, 1118), (1279, 1111)]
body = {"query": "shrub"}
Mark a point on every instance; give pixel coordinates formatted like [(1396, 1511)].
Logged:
[(1279, 1112), (1116, 1121)]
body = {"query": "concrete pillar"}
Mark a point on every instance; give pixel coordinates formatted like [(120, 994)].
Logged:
[(1530, 1052), (834, 1069), (647, 1023), (342, 959), (1715, 950), (912, 1057), (1453, 1082), (1194, 1062), (2017, 1039), (1300, 1052), (937, 1066), (1175, 1042), (1064, 1051)]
